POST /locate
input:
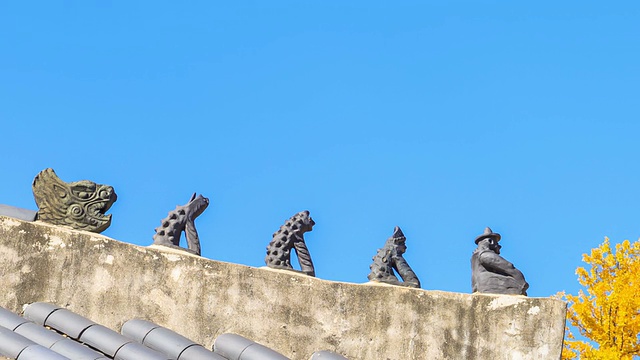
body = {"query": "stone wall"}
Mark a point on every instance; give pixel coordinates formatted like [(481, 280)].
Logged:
[(111, 282)]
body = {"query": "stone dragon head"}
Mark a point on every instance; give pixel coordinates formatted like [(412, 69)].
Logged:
[(81, 204)]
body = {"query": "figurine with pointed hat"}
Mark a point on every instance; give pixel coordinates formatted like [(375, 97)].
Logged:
[(488, 233), (490, 272), (494, 237), (389, 260)]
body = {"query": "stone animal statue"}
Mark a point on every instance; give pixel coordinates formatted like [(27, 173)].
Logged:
[(390, 258), (182, 218), (291, 236), (490, 272), (81, 204)]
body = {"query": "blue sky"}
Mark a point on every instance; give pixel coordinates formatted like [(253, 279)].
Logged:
[(441, 118)]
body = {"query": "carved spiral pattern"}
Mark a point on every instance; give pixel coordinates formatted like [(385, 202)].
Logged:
[(304, 258), (76, 211)]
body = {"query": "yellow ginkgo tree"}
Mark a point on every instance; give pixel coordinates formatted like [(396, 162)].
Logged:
[(608, 311)]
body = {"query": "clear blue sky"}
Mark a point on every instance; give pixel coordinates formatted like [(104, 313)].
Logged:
[(440, 118)]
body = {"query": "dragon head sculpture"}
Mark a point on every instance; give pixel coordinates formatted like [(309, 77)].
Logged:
[(81, 204)]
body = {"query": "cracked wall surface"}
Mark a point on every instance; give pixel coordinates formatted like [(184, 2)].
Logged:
[(110, 282)]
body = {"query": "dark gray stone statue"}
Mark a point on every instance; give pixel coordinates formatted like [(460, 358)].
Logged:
[(490, 272), (291, 236), (182, 218), (81, 204), (390, 258)]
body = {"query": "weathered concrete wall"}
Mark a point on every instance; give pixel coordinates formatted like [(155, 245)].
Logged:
[(112, 282)]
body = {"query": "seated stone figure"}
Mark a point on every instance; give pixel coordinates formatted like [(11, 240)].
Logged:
[(490, 272), (390, 258), (182, 219), (289, 237)]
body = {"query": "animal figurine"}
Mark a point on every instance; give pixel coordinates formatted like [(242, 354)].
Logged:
[(291, 236), (390, 258), (182, 218)]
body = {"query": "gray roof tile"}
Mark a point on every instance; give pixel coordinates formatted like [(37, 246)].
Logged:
[(50, 332)]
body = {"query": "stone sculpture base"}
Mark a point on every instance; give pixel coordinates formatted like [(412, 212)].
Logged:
[(110, 281)]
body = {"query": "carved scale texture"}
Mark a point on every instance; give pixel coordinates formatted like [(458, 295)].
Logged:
[(182, 218), (290, 236), (381, 267), (171, 227)]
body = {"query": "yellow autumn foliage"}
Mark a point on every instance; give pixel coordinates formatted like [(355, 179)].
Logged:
[(608, 313)]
